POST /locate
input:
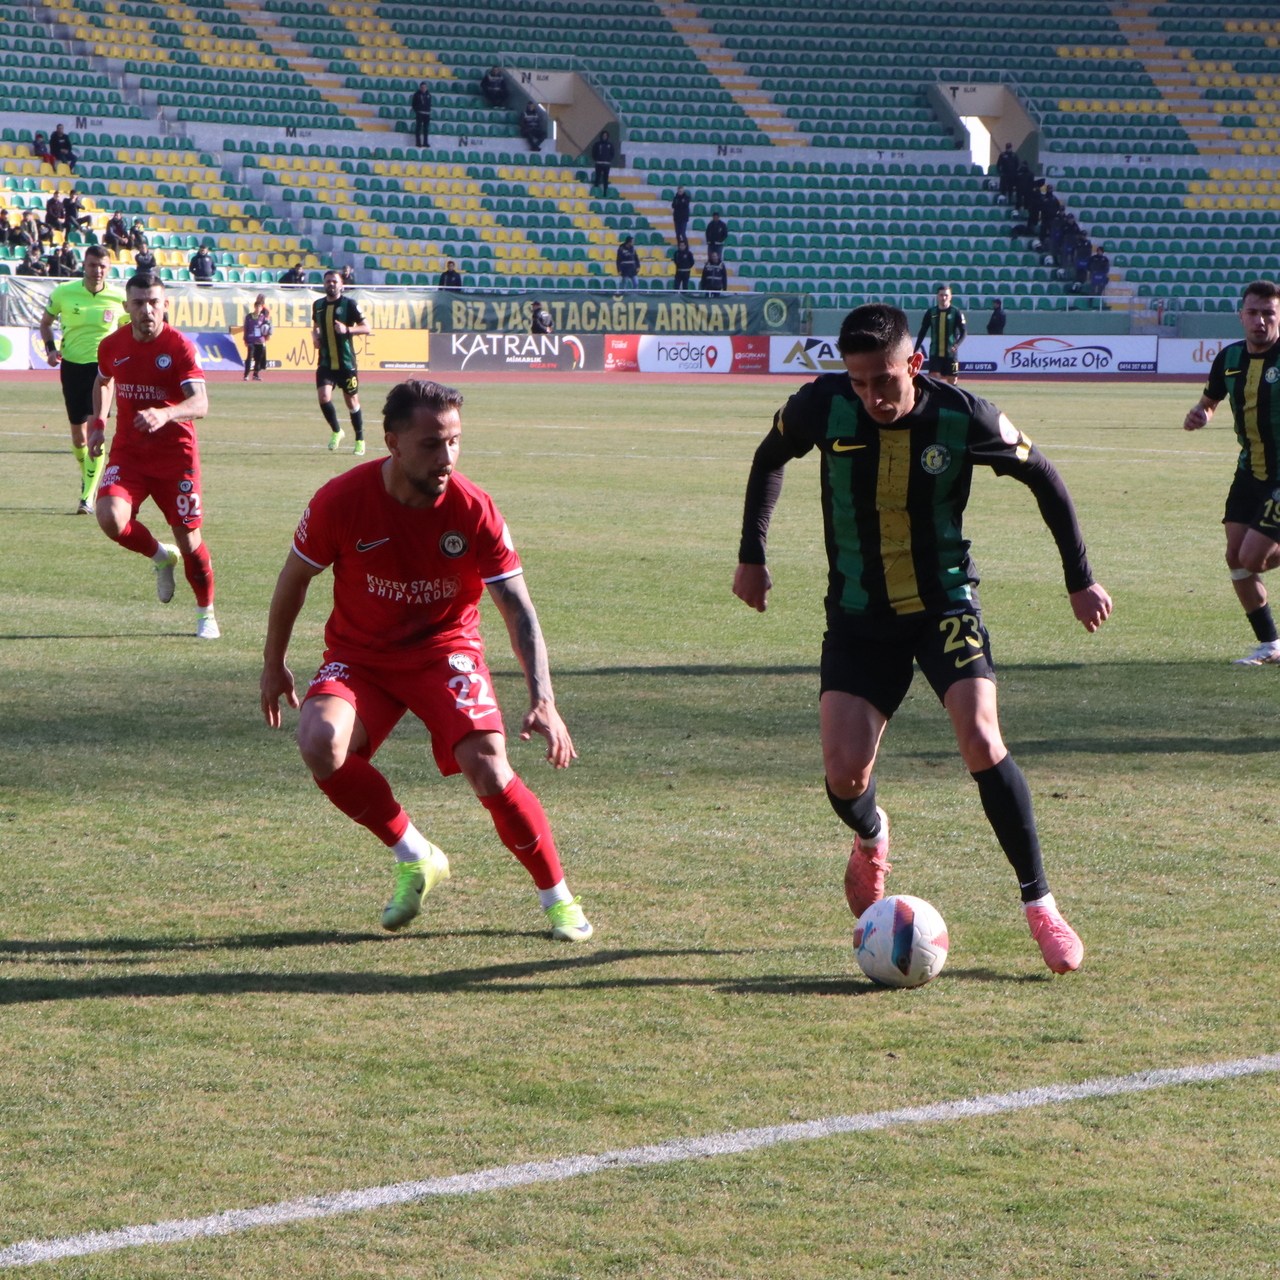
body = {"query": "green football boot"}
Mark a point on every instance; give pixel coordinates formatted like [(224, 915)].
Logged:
[(335, 439), (568, 923), (414, 880)]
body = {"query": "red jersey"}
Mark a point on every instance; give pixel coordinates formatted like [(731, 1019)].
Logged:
[(149, 375), (406, 580)]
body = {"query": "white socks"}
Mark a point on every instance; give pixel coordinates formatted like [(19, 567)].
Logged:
[(1046, 901), (557, 893), (413, 846), (161, 556)]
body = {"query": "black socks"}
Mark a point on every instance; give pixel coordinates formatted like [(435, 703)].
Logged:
[(860, 813), (357, 423), (330, 416), (1262, 623), (1006, 798)]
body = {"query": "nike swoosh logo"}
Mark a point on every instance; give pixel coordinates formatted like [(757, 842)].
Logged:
[(369, 546), (120, 360), (837, 447)]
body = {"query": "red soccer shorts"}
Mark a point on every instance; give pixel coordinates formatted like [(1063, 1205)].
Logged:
[(173, 483), (452, 695)]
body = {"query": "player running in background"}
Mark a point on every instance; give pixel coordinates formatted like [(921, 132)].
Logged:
[(154, 374), (1246, 373), (88, 310), (335, 320), (943, 325), (412, 542), (898, 452)]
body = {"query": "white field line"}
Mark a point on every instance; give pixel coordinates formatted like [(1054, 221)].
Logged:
[(27, 1252)]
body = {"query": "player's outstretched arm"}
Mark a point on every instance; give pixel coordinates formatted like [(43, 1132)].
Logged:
[(1092, 606), (290, 595), (1199, 414), (511, 595)]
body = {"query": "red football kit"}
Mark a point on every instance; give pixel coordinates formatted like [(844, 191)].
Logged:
[(404, 632), (165, 464)]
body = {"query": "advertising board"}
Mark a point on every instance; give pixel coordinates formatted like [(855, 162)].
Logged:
[(1088, 357), (458, 352), (1189, 355)]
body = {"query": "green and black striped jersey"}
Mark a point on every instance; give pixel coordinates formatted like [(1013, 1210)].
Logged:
[(944, 329), (893, 497), (337, 350), (1250, 383)]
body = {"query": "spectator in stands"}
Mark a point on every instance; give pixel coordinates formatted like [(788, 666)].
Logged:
[(1050, 207), (717, 232), (65, 262), (8, 231), (532, 127), (421, 104), (998, 319), (683, 260), (1084, 254), (1007, 168), (40, 148), (60, 148), (603, 153), (540, 319), (73, 208), (628, 261), (449, 277), (202, 266), (493, 86), (1099, 268), (55, 214), (680, 213), (144, 261), (295, 275), (715, 275), (138, 235), (33, 264), (30, 232), (116, 236), (257, 329), (348, 274)]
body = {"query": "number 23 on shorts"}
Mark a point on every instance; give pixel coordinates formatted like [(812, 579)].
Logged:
[(963, 631)]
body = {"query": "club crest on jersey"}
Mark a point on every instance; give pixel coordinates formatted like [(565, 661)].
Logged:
[(462, 662), (185, 486), (453, 544), (163, 362), (1272, 374), (936, 459)]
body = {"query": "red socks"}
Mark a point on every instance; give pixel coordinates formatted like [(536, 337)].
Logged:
[(364, 795), (135, 536), (523, 828), (199, 571)]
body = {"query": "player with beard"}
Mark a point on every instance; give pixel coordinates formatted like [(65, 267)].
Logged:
[(412, 543), (898, 452)]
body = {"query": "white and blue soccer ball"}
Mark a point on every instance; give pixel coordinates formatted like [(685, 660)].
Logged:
[(901, 941)]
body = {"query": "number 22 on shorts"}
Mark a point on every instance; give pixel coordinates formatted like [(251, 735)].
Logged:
[(954, 625), (471, 694)]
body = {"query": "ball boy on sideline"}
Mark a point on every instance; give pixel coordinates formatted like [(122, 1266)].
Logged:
[(412, 543), (898, 452), (1247, 373), (154, 374)]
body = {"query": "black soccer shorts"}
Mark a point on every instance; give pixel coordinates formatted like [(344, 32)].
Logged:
[(874, 658), (346, 380), (942, 367), (77, 389), (1256, 503)]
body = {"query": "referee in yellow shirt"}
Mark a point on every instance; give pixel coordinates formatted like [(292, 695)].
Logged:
[(89, 309)]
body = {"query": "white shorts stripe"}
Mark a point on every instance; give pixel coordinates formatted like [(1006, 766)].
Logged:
[(719, 1144)]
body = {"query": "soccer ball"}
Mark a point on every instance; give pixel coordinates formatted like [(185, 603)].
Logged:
[(901, 941)]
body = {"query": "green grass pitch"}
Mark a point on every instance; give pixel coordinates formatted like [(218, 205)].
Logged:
[(198, 1013)]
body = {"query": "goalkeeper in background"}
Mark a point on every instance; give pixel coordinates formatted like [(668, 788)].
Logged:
[(89, 310), (943, 325)]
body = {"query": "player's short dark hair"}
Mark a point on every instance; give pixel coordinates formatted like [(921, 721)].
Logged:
[(938, 288), (333, 271), (406, 398), (1267, 290), (873, 328), (143, 280), (98, 251)]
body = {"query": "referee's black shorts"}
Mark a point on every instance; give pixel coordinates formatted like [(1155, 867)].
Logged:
[(77, 389)]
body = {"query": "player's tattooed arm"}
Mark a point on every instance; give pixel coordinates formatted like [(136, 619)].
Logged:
[(511, 595), (196, 405), (1199, 414)]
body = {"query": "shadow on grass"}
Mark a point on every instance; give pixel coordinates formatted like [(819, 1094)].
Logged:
[(143, 985), (120, 635), (712, 670)]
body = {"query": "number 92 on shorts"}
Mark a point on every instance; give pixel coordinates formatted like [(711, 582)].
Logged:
[(874, 658), (451, 694)]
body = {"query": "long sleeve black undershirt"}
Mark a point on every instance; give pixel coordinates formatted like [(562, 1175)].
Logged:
[(764, 487)]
